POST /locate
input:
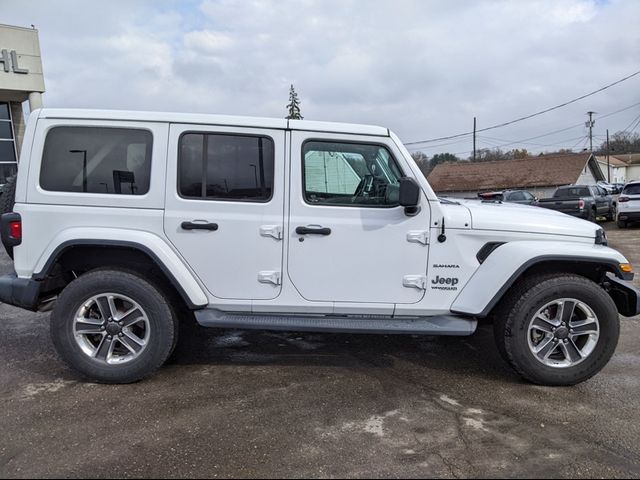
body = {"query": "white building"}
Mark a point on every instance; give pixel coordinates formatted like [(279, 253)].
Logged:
[(624, 167), (21, 79)]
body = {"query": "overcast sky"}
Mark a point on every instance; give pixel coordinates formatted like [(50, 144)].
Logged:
[(422, 68)]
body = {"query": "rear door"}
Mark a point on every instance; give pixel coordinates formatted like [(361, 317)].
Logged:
[(224, 207), (602, 199)]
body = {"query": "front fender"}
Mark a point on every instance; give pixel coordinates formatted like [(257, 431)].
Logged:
[(508, 262), (157, 248)]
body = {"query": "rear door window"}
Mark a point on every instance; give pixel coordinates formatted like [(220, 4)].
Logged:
[(97, 160), (215, 166)]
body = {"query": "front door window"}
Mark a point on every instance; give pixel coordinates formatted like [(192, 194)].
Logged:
[(349, 174)]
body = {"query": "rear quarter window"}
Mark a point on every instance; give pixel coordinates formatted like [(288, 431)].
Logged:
[(97, 160), (632, 189)]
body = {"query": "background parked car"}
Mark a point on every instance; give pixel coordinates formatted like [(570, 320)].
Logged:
[(511, 196), (629, 204), (584, 201), (610, 188)]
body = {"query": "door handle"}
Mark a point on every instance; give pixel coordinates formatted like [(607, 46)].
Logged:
[(313, 231), (199, 226)]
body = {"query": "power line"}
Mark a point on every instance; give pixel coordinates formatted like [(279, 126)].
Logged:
[(526, 117), (560, 143), (436, 146), (632, 129), (525, 140), (618, 111), (637, 119)]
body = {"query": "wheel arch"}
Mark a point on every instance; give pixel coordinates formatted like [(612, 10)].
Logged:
[(90, 254)]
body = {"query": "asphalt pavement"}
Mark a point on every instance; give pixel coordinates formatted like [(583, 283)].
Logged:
[(253, 404)]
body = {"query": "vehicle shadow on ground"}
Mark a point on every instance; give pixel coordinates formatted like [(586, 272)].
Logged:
[(474, 355)]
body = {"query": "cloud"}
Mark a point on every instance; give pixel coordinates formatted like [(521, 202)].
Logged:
[(424, 69)]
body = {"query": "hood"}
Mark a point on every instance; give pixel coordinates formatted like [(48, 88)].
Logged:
[(526, 219)]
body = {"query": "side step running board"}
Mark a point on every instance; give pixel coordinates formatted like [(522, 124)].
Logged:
[(437, 325)]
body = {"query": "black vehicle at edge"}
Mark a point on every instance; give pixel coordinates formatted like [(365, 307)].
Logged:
[(583, 201)]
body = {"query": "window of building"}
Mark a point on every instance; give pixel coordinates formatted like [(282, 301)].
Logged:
[(97, 160), (350, 174), (226, 167), (8, 153)]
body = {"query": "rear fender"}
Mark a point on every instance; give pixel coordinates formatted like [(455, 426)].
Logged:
[(155, 247)]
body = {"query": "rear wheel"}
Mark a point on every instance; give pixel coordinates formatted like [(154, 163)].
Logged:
[(113, 326), (622, 224), (592, 215), (557, 330)]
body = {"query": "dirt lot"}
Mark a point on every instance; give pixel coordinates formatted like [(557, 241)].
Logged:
[(237, 404)]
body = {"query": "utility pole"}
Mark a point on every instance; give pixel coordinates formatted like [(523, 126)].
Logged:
[(590, 125), (608, 161), (474, 139)]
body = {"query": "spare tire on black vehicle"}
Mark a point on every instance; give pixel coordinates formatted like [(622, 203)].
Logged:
[(8, 195), (7, 200)]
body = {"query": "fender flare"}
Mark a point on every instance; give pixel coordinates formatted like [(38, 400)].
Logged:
[(165, 259), (470, 300)]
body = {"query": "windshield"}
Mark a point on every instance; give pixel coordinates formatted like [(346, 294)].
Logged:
[(572, 192)]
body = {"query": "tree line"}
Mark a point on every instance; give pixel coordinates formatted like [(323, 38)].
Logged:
[(619, 143)]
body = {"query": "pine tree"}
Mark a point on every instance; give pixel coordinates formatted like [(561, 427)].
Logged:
[(294, 106)]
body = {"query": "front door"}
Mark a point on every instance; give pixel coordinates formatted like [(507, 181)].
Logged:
[(350, 241), (225, 207)]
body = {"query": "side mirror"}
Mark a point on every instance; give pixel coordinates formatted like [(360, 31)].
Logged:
[(409, 195)]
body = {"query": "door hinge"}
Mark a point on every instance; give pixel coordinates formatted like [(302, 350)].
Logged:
[(274, 231), (415, 281), (418, 236), (269, 277)]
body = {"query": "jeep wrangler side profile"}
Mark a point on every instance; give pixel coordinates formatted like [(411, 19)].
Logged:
[(127, 223)]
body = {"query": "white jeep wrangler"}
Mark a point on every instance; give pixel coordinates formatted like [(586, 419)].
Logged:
[(126, 224)]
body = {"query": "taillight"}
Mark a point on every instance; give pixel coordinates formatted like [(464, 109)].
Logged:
[(623, 199), (581, 204), (15, 230), (11, 230)]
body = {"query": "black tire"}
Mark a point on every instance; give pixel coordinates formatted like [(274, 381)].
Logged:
[(622, 224), (8, 196), (592, 215), (521, 304), (160, 313), (7, 200)]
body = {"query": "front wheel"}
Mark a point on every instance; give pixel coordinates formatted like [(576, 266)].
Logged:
[(112, 326), (557, 330)]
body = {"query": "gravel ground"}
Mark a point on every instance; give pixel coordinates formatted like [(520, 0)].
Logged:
[(238, 404)]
